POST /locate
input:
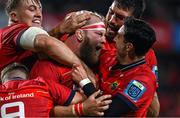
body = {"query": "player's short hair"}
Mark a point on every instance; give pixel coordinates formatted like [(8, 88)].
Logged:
[(140, 34), (13, 66), (137, 6), (11, 5), (14, 4)]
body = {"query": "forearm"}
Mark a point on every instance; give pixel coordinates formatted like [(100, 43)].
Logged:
[(62, 111), (56, 50), (154, 108), (67, 111)]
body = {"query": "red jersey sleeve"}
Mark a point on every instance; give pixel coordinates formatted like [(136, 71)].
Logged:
[(138, 93), (10, 50), (61, 94), (150, 58), (151, 61), (12, 33)]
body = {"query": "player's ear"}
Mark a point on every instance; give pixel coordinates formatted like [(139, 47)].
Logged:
[(129, 46), (13, 16), (80, 35)]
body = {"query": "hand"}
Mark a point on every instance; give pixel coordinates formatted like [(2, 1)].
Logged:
[(78, 73), (91, 76), (73, 21), (95, 106)]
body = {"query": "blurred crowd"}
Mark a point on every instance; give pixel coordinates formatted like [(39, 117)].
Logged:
[(164, 15)]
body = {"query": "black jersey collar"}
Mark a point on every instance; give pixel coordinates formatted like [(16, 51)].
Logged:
[(128, 66)]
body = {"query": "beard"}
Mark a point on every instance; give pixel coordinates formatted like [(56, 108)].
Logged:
[(87, 54), (110, 35)]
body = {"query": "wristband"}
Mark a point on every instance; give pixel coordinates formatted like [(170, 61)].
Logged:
[(89, 89), (73, 110), (83, 82), (77, 109), (81, 109)]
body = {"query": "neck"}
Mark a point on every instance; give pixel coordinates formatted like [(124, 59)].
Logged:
[(128, 60)]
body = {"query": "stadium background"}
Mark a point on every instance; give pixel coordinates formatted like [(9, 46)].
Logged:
[(163, 15)]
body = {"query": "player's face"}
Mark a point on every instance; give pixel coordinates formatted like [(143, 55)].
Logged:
[(115, 19), (120, 45), (92, 45), (30, 12)]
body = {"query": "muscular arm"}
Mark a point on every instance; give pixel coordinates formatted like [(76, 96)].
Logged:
[(60, 111), (38, 40), (67, 110), (153, 110), (93, 106), (55, 49)]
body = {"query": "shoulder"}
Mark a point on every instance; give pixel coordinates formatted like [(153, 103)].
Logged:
[(145, 74), (10, 32), (150, 54), (14, 27), (150, 58)]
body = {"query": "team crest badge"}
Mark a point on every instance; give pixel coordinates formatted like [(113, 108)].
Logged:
[(114, 85), (134, 90)]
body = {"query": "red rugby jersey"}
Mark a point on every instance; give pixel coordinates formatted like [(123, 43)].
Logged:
[(150, 56), (32, 98), (135, 83), (10, 50)]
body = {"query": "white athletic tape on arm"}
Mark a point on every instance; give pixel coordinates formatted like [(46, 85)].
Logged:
[(28, 37), (84, 82)]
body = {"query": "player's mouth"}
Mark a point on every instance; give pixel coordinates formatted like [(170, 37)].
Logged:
[(112, 29), (37, 22), (98, 49)]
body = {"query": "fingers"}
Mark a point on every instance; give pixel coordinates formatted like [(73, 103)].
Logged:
[(82, 23), (103, 108), (83, 17), (106, 102), (104, 97), (100, 113), (94, 95), (75, 66), (103, 105), (74, 20), (80, 17)]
